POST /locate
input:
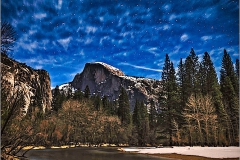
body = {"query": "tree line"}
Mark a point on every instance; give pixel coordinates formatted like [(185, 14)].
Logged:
[(195, 107)]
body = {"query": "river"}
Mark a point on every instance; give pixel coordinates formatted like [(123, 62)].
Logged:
[(85, 153)]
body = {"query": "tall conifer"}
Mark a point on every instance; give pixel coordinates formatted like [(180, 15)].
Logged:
[(124, 107), (229, 89), (191, 76), (237, 68), (168, 97)]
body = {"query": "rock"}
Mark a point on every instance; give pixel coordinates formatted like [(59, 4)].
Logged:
[(107, 80), (33, 83)]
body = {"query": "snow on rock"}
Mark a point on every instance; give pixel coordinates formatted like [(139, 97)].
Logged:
[(66, 88), (63, 86), (112, 69), (211, 152)]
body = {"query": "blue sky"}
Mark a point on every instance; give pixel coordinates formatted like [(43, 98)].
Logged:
[(60, 36)]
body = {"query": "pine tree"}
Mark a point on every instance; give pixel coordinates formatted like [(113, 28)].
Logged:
[(124, 107), (97, 102), (237, 68), (230, 102), (211, 87), (87, 92), (152, 116), (168, 97), (106, 105), (229, 89), (144, 125), (227, 70), (191, 84), (182, 90), (78, 95), (136, 113), (141, 122), (58, 98)]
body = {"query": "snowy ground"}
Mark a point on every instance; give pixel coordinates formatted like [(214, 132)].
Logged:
[(212, 152)]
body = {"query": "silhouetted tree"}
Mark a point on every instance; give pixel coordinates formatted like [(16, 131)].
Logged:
[(8, 37)]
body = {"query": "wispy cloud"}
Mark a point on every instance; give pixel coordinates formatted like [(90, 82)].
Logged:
[(59, 5), (65, 42), (90, 29), (140, 67), (167, 7), (205, 38), (184, 37), (38, 67), (176, 49), (40, 15), (166, 27)]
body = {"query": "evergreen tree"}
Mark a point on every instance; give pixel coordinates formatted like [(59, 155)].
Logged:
[(136, 114), (87, 92), (168, 98), (58, 98), (69, 93), (124, 107), (209, 80), (97, 102), (78, 95), (211, 87), (141, 122), (230, 101), (182, 90), (106, 105), (191, 83), (229, 89), (227, 70), (144, 125), (152, 116), (237, 68)]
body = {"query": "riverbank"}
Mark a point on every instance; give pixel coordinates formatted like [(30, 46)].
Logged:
[(188, 157), (195, 153), (72, 146)]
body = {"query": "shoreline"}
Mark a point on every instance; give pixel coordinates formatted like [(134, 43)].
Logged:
[(185, 157), (193, 152)]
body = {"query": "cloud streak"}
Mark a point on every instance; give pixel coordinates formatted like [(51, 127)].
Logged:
[(141, 67)]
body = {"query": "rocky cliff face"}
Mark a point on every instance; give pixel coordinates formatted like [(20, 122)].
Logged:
[(104, 79), (35, 84)]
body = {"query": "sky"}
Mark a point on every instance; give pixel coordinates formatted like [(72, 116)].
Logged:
[(61, 36)]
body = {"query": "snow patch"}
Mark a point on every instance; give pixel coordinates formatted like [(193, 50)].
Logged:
[(108, 66), (211, 152)]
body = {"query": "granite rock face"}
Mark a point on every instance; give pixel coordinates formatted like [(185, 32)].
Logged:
[(32, 83), (107, 80)]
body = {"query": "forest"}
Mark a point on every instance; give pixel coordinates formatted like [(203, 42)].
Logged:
[(195, 108)]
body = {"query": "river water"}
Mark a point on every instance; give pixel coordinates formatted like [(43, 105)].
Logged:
[(82, 153)]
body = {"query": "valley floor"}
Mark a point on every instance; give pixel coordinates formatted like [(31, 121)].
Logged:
[(210, 152)]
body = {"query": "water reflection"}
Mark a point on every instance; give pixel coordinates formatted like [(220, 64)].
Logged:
[(85, 154)]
